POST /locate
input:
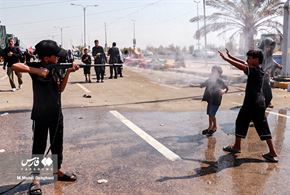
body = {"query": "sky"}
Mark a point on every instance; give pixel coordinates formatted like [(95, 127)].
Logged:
[(157, 22)]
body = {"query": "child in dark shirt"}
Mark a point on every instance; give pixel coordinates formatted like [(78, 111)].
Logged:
[(46, 112), (86, 59), (254, 106), (214, 89)]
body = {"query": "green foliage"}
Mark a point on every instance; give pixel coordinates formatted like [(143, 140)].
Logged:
[(242, 17)]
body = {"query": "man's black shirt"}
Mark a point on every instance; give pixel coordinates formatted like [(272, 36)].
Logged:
[(15, 58), (114, 55), (99, 59)]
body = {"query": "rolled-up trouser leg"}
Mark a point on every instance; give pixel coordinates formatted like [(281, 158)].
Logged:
[(242, 122)]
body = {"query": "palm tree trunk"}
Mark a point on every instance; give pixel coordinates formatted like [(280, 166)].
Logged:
[(248, 41)]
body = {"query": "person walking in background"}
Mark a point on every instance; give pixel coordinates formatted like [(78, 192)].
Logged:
[(86, 59), (70, 57), (254, 106), (100, 59), (28, 55), (214, 90), (12, 54), (114, 54)]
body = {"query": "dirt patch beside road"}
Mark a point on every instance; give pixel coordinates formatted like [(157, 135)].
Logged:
[(138, 90)]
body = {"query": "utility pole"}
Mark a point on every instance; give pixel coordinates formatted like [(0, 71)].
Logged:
[(61, 30), (84, 10), (286, 41), (106, 43), (204, 23), (198, 38), (134, 38)]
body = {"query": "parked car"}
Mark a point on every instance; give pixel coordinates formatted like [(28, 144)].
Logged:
[(148, 53), (204, 53)]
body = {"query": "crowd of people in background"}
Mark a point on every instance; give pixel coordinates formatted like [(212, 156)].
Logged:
[(98, 59)]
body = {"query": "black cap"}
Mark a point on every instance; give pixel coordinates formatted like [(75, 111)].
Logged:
[(48, 48)]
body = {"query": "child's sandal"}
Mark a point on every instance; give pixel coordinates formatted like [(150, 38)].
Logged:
[(205, 132), (211, 132)]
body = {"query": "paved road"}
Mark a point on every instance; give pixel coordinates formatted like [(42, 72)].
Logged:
[(171, 158), (144, 138)]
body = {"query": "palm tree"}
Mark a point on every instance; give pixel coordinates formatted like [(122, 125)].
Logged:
[(244, 17)]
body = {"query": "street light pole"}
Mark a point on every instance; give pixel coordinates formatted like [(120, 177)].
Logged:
[(286, 41), (134, 38), (106, 43), (204, 23), (84, 10), (61, 28), (198, 38)]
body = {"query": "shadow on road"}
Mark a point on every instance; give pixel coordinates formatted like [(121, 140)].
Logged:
[(224, 162)]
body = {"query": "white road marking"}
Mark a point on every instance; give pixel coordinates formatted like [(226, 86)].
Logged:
[(270, 112), (236, 103), (83, 88), (164, 85), (278, 114), (146, 137), (3, 77)]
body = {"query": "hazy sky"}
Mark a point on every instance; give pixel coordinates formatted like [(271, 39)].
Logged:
[(157, 22)]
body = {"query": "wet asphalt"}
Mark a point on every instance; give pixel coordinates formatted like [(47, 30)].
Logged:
[(97, 145)]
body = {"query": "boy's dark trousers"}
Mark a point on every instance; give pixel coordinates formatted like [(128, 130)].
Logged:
[(113, 68), (100, 72), (40, 132)]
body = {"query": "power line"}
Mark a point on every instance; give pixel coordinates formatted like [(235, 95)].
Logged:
[(34, 5), (70, 17), (106, 11), (142, 8)]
